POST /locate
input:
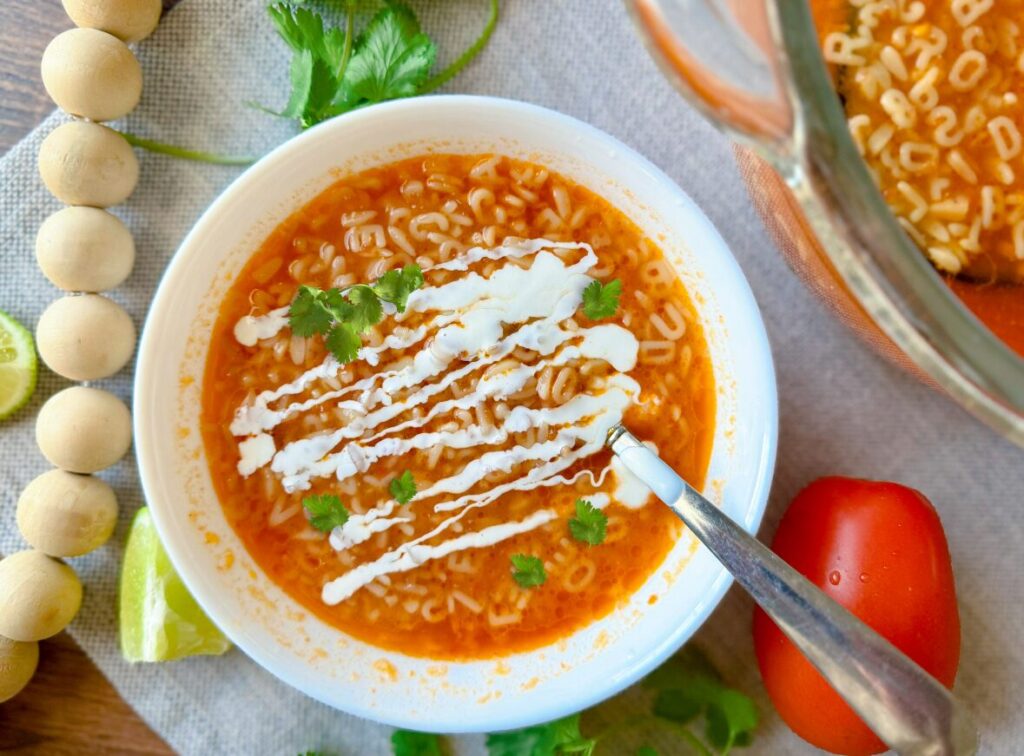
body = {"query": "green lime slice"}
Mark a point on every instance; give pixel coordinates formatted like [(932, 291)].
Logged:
[(159, 619), (18, 365)]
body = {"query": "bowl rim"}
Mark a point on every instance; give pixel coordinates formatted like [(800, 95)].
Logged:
[(255, 177)]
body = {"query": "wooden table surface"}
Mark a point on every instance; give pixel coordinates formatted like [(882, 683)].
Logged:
[(69, 708)]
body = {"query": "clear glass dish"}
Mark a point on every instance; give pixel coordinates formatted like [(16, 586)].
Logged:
[(754, 68)]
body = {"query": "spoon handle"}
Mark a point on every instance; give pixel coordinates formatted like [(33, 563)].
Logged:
[(907, 708)]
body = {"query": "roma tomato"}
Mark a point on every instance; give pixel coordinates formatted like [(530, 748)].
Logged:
[(879, 550)]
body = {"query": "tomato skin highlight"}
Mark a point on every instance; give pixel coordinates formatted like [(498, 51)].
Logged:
[(878, 549)]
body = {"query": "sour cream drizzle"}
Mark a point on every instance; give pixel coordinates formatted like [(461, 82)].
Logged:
[(478, 322), (250, 329)]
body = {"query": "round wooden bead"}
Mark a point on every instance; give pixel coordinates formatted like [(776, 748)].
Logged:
[(84, 163), (91, 74), (39, 596), (82, 429)]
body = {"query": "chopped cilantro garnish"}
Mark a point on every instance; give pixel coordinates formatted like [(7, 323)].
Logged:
[(601, 300), (409, 743), (403, 488), (343, 342), (589, 524), (342, 315), (312, 310), (395, 286), (326, 512), (366, 308), (528, 570)]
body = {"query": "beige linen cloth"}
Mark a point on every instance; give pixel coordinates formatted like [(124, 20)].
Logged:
[(843, 409)]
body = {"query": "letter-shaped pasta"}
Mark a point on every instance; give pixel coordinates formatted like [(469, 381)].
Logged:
[(896, 104), (911, 11), (842, 49), (944, 119), (858, 124), (1005, 136), (967, 70), (927, 47), (966, 12), (893, 62), (924, 93)]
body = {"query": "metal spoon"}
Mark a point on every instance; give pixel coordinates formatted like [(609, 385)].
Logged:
[(907, 708)]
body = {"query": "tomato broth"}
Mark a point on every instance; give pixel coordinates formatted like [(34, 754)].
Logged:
[(492, 391)]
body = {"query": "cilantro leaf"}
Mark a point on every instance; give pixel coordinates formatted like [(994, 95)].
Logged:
[(601, 300), (342, 310), (551, 739), (366, 309), (395, 286), (310, 312), (589, 524), (393, 57), (319, 61), (528, 570), (731, 720), (647, 751), (326, 512), (343, 342), (403, 488), (409, 743), (688, 685)]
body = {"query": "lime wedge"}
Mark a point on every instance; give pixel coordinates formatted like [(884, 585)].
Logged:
[(18, 365), (159, 619)]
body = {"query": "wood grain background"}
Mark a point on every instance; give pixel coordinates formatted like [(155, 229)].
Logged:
[(69, 708)]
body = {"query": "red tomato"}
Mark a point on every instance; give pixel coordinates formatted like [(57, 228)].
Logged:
[(879, 550)]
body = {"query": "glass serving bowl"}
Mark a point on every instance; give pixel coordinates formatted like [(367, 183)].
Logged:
[(754, 68)]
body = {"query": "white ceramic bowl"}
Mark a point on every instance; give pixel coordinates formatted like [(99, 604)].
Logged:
[(269, 626)]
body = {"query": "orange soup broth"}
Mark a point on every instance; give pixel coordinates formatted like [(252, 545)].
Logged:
[(424, 612)]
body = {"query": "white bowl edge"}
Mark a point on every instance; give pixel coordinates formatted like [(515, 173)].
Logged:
[(488, 695)]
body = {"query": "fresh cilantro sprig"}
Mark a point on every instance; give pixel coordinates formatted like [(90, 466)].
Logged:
[(403, 488), (343, 315), (410, 743), (589, 524), (326, 512), (528, 570), (601, 300), (333, 70)]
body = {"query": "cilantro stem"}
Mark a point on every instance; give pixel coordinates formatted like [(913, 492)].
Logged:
[(180, 152), (350, 26), (470, 52)]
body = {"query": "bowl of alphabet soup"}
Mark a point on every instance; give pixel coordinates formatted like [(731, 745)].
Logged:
[(372, 400)]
